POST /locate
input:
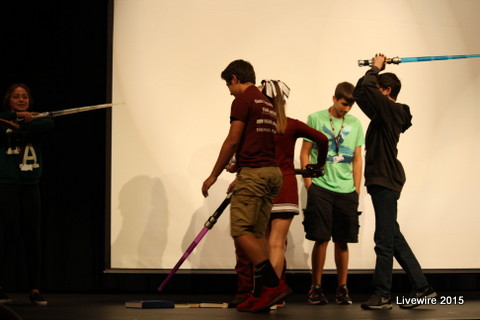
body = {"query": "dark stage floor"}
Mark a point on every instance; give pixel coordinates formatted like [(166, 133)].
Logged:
[(111, 306)]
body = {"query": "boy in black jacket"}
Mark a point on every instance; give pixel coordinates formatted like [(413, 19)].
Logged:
[(376, 95)]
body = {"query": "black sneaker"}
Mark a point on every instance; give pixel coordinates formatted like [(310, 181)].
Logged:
[(4, 298), (38, 299), (377, 303), (316, 296), (416, 297), (342, 296)]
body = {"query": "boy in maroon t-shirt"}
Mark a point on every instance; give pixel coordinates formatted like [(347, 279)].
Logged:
[(252, 139)]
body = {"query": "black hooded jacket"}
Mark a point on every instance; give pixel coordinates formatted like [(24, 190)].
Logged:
[(388, 120)]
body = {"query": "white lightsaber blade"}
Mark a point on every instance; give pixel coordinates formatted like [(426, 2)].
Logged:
[(72, 110)]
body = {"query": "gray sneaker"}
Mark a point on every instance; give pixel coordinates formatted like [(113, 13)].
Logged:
[(342, 296), (377, 303), (316, 296), (415, 298)]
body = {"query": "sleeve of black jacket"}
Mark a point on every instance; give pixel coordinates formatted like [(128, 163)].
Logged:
[(388, 119)]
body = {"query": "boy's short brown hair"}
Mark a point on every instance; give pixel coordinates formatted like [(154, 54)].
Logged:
[(344, 90)]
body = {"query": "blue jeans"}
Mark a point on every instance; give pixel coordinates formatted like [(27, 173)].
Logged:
[(390, 243)]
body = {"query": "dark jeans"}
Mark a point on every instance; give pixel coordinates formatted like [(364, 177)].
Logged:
[(390, 243), (20, 218)]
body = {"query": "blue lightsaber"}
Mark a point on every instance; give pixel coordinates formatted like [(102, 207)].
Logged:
[(398, 60)]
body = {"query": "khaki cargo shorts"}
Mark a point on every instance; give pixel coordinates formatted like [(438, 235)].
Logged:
[(252, 200)]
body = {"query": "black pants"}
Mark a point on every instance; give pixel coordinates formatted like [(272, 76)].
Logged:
[(390, 243), (20, 224)]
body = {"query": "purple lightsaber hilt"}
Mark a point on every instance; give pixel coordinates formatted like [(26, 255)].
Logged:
[(207, 226)]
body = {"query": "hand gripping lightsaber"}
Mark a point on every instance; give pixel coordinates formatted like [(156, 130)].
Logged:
[(398, 60), (207, 226), (65, 112)]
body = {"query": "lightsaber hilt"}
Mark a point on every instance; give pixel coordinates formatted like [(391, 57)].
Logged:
[(311, 171), (214, 217), (395, 60)]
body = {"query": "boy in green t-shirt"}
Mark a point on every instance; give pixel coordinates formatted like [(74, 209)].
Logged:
[(332, 201)]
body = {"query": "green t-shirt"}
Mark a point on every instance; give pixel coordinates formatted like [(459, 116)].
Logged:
[(339, 167)]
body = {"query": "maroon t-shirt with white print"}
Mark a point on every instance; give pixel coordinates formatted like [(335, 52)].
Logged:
[(257, 144)]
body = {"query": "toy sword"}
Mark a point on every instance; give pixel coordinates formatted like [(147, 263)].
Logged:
[(207, 226), (398, 60), (71, 111)]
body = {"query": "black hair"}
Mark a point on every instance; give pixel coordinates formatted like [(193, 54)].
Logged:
[(390, 80)]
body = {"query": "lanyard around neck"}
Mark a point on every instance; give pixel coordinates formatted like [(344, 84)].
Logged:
[(339, 137)]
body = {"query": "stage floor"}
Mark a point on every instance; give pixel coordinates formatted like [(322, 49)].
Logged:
[(111, 306)]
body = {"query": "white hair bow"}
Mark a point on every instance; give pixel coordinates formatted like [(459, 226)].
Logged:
[(271, 91)]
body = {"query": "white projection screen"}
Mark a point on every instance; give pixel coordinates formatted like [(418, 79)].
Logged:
[(174, 116)]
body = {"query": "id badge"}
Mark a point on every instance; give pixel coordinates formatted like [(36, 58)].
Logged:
[(338, 158)]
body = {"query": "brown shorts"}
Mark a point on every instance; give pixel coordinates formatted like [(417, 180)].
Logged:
[(252, 200)]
